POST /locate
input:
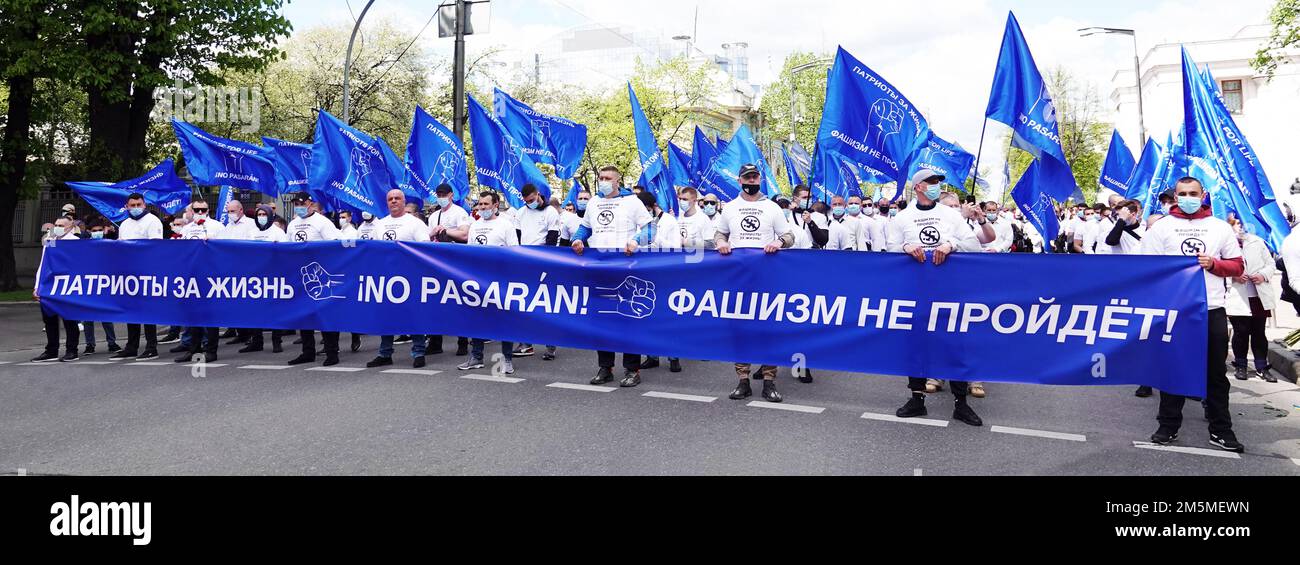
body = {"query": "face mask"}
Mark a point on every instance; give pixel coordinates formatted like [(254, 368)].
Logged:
[(202, 214), (231, 218), (582, 205), (444, 202), (838, 211), (343, 223), (893, 212), (1095, 218), (869, 211), (533, 205), (300, 211), (798, 204), (367, 216), (262, 220), (854, 209), (789, 214), (487, 214), (606, 187), (751, 189), (1082, 216), (135, 213), (1165, 208), (97, 235), (932, 191), (684, 205), (57, 231), (1189, 204), (710, 209), (991, 216)]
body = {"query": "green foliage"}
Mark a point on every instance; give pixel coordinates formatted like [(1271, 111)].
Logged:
[(809, 95), (1285, 19), (1084, 136)]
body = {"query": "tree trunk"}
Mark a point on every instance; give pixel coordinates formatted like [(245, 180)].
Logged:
[(13, 162)]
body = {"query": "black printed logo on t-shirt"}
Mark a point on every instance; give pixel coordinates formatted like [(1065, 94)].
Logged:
[(1193, 246), (481, 239), (750, 223), (605, 218), (929, 235), (300, 235)]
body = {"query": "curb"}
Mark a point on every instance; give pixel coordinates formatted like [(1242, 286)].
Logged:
[(1284, 361)]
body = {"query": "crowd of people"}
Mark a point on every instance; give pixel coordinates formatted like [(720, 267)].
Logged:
[(1239, 268)]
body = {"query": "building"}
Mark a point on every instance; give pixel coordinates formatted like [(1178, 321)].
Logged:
[(1268, 112)]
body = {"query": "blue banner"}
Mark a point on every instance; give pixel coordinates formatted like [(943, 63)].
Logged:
[(546, 139), (721, 179), (213, 160), (1107, 320), (703, 153), (435, 156), (159, 187), (499, 161), (349, 167), (1119, 165), (803, 162), (679, 166), (1036, 204), (293, 163), (832, 176), (947, 158), (869, 122)]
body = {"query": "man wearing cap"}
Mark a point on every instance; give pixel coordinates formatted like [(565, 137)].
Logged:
[(752, 221), (306, 226), (538, 225), (139, 224), (927, 226), (448, 223)]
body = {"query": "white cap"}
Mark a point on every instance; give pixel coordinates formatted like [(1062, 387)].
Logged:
[(924, 175)]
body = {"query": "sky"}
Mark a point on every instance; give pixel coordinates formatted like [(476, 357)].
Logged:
[(940, 54)]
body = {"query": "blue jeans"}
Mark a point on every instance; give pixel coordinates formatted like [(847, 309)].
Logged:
[(476, 349), (418, 344), (110, 334)]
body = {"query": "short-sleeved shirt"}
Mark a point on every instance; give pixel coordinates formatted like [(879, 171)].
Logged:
[(498, 232), (314, 227), (406, 227), (1209, 236), (535, 224), (147, 227), (752, 224), (614, 222)]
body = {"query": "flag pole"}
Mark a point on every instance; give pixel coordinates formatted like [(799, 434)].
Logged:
[(979, 153)]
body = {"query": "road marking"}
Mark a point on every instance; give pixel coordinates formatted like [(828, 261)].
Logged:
[(1189, 450), (1296, 461), (265, 367), (33, 363), (675, 396), (588, 388), (94, 362), (151, 364), (786, 407), (1037, 433), (492, 379), (206, 365), (338, 369), (917, 421), (5, 362), (916, 472), (421, 372)]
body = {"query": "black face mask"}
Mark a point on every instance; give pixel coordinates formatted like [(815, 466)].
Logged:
[(751, 189)]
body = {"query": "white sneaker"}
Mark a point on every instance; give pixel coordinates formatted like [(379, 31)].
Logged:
[(507, 368), (471, 365)]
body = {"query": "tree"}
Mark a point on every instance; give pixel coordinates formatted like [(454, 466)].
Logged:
[(1285, 18), (810, 97), (1084, 136)]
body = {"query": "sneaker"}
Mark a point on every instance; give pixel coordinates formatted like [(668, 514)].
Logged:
[(122, 355), (114, 348), (769, 392), (169, 338), (401, 339), (356, 343), (1265, 375), (603, 376), (1227, 441), (418, 362), (90, 350), (303, 359), (933, 385), (548, 356), (46, 357), (962, 412), (674, 366), (251, 348), (148, 355), (379, 362), (179, 348), (471, 365), (630, 379), (742, 391), (914, 408), (521, 351), (331, 360), (1241, 373), (1164, 436), (507, 368), (71, 356), (1143, 392), (649, 363)]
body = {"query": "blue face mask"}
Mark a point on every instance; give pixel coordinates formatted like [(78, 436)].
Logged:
[(893, 212), (136, 213), (582, 205), (97, 235), (1189, 204), (487, 213), (710, 209), (533, 205), (262, 220), (300, 211), (854, 209), (444, 202), (838, 211), (933, 191)]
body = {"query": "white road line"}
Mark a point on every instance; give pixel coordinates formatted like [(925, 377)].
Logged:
[(916, 472), (916, 421), (1296, 461), (588, 388), (151, 364), (265, 367), (94, 362), (786, 407), (1037, 433), (5, 362), (31, 364), (337, 369), (1189, 450), (421, 372), (675, 396), (492, 379), (207, 365)]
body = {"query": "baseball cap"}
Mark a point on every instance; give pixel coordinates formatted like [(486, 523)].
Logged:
[(69, 208), (746, 169), (301, 197), (443, 189), (926, 175)]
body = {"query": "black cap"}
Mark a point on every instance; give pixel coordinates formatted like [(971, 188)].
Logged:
[(746, 169), (443, 188), (301, 197)]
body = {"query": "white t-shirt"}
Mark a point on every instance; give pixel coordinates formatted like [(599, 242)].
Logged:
[(852, 225), (534, 224), (668, 234), (451, 217), (498, 232), (314, 227), (205, 228), (930, 229), (348, 231), (406, 227), (366, 230), (569, 223), (147, 227), (841, 237), (1004, 234), (272, 234), (696, 230), (1086, 233), (1203, 236), (752, 224), (242, 229), (614, 222)]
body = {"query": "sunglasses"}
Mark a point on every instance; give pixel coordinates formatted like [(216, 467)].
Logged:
[(200, 210)]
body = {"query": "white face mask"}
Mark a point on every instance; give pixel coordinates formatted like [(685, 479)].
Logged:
[(606, 187), (684, 205)]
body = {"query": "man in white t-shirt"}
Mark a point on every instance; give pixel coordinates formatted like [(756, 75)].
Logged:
[(696, 228), (843, 232), (926, 226), (202, 227), (366, 229), (614, 217), (139, 224), (571, 219), (753, 221), (491, 229), (307, 226), (399, 225), (448, 223), (538, 225), (712, 209), (1191, 230)]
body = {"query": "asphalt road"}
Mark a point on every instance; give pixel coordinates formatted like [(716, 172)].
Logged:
[(110, 418)]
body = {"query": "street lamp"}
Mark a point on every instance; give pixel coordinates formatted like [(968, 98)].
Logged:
[(1137, 69), (686, 51), (347, 59), (794, 71)]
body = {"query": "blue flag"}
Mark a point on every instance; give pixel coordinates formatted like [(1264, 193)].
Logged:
[(1119, 165), (349, 166), (947, 158), (722, 178), (1147, 181), (499, 161), (293, 163), (679, 166), (703, 153), (397, 171), (1020, 99), (654, 174), (434, 156), (1035, 203), (546, 139), (722, 143), (803, 162), (160, 187), (572, 197), (869, 122), (223, 198), (214, 160), (833, 175), (791, 170)]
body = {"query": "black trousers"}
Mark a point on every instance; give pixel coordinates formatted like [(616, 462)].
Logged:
[(329, 340), (1248, 335), (204, 339), (72, 332), (916, 384), (1216, 389), (631, 361), (435, 343), (133, 338)]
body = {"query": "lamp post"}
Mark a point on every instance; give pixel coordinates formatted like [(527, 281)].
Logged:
[(347, 59), (794, 71), (1137, 69)]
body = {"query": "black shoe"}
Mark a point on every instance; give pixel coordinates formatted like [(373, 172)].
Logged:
[(179, 348), (1265, 375), (186, 357), (399, 340), (1227, 441), (356, 343), (169, 338), (434, 351), (237, 341), (90, 350), (46, 357), (1143, 392), (964, 413), (418, 363), (229, 333), (1164, 436), (1241, 373), (114, 348), (71, 356), (674, 366), (630, 379), (379, 362), (277, 348), (914, 408), (805, 376), (251, 348), (331, 360), (149, 354), (742, 391), (603, 376), (462, 351), (548, 356), (769, 392), (297, 341), (302, 359), (123, 355), (650, 363)]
